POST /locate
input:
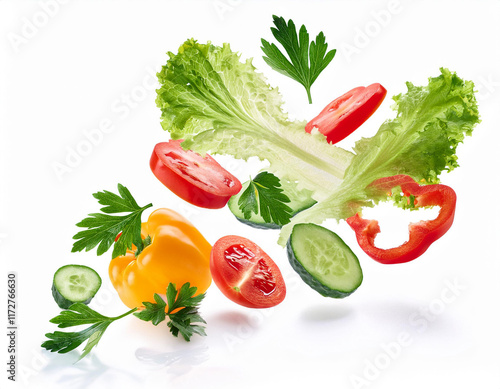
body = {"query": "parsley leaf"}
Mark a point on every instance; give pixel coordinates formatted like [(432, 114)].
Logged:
[(79, 314), (185, 305), (264, 195), (103, 228), (306, 61), (153, 312)]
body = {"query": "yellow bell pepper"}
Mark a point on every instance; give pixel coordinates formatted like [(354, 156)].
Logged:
[(178, 253)]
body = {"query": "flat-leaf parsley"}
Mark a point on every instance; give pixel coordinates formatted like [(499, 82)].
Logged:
[(305, 61)]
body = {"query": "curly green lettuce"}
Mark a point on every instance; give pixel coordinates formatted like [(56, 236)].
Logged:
[(421, 141), (220, 105)]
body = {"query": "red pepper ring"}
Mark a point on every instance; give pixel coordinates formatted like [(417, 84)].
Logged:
[(422, 234)]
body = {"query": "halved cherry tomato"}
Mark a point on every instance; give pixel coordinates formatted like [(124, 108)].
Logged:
[(245, 274), (199, 180), (347, 112)]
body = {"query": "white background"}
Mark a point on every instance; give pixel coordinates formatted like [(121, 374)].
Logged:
[(67, 68)]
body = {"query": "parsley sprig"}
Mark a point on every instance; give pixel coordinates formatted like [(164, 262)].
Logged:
[(79, 314), (103, 228), (265, 196), (306, 60), (182, 311)]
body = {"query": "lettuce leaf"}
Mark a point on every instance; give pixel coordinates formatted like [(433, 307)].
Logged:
[(220, 105), (421, 141)]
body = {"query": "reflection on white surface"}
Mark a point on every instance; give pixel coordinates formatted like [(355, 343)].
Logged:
[(178, 362), (88, 372)]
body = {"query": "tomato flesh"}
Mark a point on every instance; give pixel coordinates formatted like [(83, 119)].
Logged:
[(198, 180), (346, 113), (246, 274), (242, 260)]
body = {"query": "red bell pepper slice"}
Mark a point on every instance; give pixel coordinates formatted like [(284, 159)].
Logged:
[(422, 234)]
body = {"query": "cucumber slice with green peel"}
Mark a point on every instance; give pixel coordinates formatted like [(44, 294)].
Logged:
[(75, 284), (299, 200), (323, 260)]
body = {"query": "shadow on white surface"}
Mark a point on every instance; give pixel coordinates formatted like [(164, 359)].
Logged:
[(230, 318), (320, 314)]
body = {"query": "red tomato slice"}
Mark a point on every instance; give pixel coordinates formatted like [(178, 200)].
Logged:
[(347, 112), (245, 274), (199, 180)]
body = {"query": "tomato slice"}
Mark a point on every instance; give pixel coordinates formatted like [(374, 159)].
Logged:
[(347, 112), (245, 273), (199, 180)]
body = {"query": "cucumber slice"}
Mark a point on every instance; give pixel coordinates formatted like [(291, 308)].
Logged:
[(299, 200), (323, 260), (75, 284)]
